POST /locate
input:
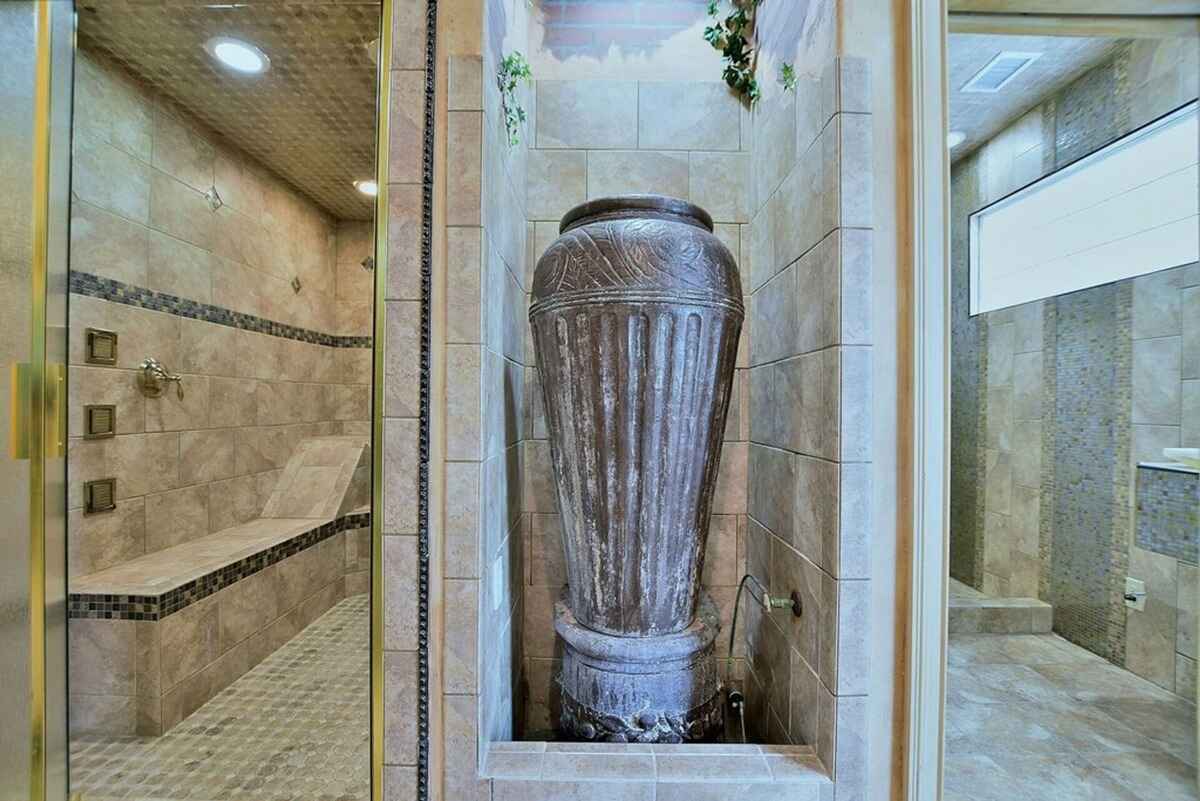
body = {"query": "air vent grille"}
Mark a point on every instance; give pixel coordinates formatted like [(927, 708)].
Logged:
[(1000, 71)]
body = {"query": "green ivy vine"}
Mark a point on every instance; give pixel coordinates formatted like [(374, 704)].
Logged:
[(513, 70), (734, 37)]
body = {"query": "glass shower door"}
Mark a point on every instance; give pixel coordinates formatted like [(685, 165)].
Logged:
[(35, 91)]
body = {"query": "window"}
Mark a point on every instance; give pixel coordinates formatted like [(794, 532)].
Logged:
[(1130, 208)]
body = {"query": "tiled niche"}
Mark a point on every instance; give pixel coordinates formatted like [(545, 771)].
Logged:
[(790, 189)]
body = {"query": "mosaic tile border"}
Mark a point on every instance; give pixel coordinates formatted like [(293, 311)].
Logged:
[(157, 607), (96, 286)]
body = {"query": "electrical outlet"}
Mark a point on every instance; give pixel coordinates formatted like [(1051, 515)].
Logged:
[(1135, 594)]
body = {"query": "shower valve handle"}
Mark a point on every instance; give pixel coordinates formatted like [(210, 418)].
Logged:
[(154, 376)]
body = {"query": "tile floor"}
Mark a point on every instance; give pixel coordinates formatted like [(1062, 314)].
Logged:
[(294, 728), (1036, 717)]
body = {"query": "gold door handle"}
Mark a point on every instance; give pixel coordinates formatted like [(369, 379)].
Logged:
[(23, 394), (56, 411), (20, 409)]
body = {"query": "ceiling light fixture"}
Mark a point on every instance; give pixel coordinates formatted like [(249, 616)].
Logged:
[(368, 188), (954, 139), (237, 55)]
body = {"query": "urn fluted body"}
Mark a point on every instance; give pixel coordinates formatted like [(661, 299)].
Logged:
[(636, 314)]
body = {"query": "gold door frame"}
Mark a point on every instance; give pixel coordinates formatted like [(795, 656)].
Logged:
[(43, 428), (38, 431), (382, 146)]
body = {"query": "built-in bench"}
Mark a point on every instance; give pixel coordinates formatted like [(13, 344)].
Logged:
[(154, 638)]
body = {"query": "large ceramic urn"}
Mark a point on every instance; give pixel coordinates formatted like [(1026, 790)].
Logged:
[(636, 314)]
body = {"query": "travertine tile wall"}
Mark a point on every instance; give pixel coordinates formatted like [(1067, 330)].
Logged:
[(1032, 418), (594, 138), (186, 467), (809, 282), (485, 425), (401, 402)]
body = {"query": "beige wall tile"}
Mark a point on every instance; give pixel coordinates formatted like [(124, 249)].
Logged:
[(1190, 315), (688, 115), (175, 517), (557, 181), (1151, 635), (407, 126), (462, 519), (1190, 400), (400, 699), (465, 83), (403, 359), (464, 260), (462, 635), (587, 114), (400, 476), (400, 593), (404, 242), (1156, 381), (463, 411), (464, 160), (99, 541), (177, 268), (181, 211), (102, 656), (111, 179), (180, 150), (619, 172), (102, 385), (208, 455), (107, 245), (717, 183), (190, 640)]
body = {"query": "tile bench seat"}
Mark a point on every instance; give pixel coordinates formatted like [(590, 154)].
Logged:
[(152, 639)]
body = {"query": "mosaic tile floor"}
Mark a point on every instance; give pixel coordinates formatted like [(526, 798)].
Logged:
[(294, 728), (1034, 716)]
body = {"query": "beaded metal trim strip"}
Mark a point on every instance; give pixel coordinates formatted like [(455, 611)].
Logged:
[(96, 286), (427, 151), (156, 607)]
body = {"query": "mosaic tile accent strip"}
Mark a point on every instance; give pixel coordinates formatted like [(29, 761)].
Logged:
[(118, 292), (157, 607), (1089, 426), (295, 726), (967, 399), (1168, 512)]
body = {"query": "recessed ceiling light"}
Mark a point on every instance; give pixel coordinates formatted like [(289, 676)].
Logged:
[(954, 139), (237, 55), (368, 188)]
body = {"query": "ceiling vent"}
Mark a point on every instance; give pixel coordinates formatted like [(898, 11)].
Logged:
[(999, 71)]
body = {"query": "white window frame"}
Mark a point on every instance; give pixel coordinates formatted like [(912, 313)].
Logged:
[(979, 303)]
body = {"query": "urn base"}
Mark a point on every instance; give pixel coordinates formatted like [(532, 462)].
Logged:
[(658, 689)]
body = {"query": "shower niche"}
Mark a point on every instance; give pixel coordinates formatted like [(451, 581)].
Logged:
[(788, 185)]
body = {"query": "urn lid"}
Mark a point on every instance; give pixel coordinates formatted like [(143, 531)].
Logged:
[(618, 207)]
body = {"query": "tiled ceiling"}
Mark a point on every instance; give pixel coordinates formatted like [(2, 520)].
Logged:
[(982, 115), (310, 117)]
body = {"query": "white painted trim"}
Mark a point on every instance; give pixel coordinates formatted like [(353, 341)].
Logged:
[(929, 202)]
